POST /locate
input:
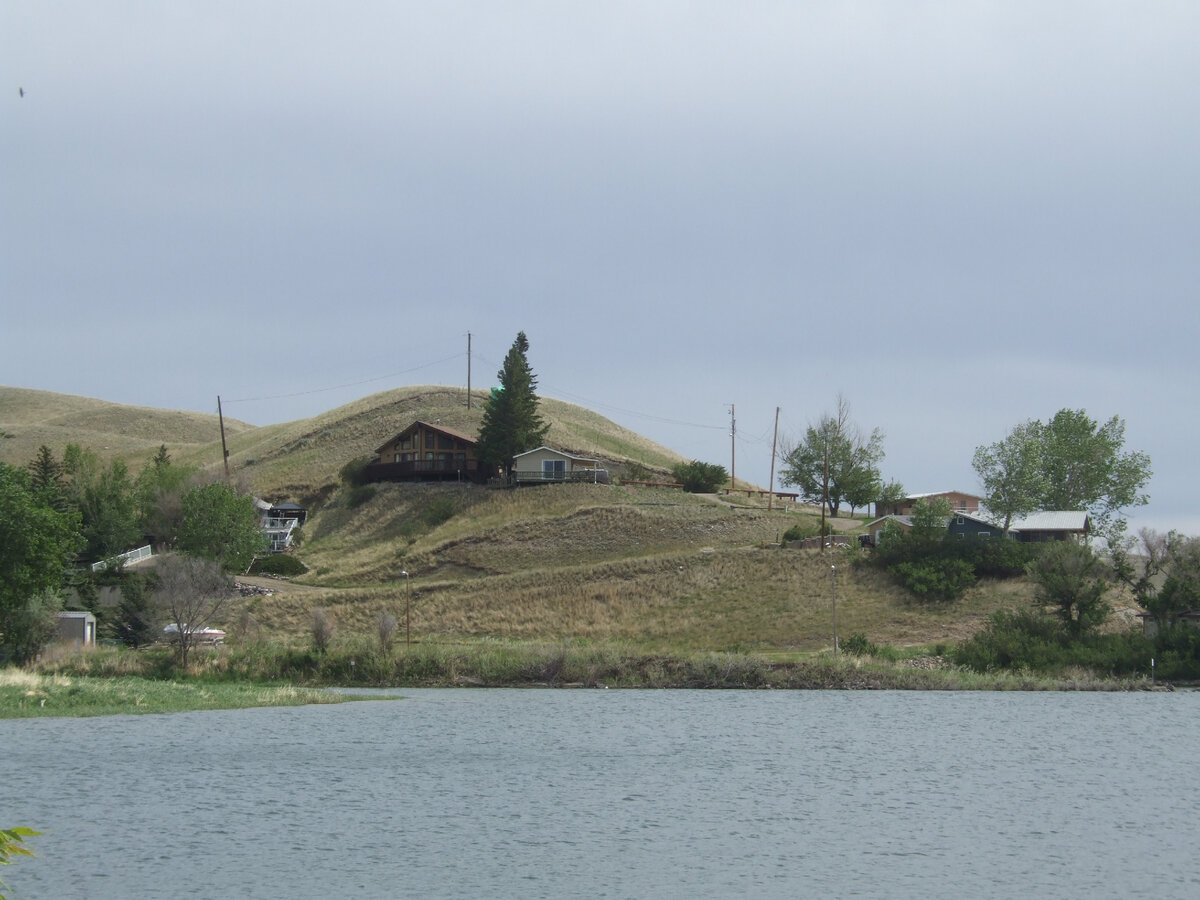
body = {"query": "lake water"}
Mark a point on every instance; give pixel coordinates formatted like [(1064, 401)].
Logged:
[(614, 794)]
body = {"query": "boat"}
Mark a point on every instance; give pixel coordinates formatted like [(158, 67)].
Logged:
[(196, 635)]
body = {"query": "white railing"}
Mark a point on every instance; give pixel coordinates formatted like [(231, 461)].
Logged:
[(127, 558)]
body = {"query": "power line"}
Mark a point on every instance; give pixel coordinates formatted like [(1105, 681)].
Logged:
[(338, 387)]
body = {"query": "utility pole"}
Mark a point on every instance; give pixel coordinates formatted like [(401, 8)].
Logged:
[(732, 448), (468, 370), (833, 599), (224, 450), (774, 441)]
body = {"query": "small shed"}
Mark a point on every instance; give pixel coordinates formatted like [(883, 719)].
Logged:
[(1189, 618), (77, 628)]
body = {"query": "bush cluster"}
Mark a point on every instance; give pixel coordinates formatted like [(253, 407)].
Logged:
[(1032, 641), (278, 564), (940, 570), (699, 477)]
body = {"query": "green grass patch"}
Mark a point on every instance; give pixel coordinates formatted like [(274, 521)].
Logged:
[(32, 695)]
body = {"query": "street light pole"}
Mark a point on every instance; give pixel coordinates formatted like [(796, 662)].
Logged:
[(833, 598), (407, 609)]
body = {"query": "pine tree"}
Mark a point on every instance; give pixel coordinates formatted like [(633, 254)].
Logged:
[(46, 478), (511, 422)]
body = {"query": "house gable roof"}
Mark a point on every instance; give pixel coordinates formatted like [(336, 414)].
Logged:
[(562, 453), (428, 426), (1044, 520)]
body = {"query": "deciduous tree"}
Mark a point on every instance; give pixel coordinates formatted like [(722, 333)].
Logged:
[(192, 594), (105, 499), (221, 526), (1086, 467), (1011, 473), (37, 546), (1068, 463), (836, 460)]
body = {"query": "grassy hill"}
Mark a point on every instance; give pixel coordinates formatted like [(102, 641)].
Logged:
[(298, 460), (649, 567)]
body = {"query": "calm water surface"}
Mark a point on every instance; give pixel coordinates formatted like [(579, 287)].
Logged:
[(528, 793)]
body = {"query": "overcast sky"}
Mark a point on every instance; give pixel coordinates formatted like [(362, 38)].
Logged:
[(959, 215)]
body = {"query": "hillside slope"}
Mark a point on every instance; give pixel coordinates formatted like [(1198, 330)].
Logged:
[(656, 568), (296, 460)]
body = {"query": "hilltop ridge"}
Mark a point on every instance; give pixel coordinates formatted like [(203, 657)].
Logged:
[(297, 460)]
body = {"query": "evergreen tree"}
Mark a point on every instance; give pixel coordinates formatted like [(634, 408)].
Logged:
[(46, 478), (133, 624), (511, 422)]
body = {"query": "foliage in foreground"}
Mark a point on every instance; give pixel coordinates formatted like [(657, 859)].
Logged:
[(12, 843)]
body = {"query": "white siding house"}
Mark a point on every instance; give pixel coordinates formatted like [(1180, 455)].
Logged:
[(547, 465)]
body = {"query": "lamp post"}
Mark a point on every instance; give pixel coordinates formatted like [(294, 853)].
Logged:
[(833, 599), (407, 609)]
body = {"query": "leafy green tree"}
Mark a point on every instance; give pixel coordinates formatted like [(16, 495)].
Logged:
[(219, 525), (37, 546), (105, 499), (158, 491), (930, 521), (1086, 468), (1011, 473), (699, 477), (1071, 580), (834, 461), (1070, 462), (511, 421), (1162, 571), (1181, 588)]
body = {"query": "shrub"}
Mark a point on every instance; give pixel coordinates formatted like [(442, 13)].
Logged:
[(801, 532), (360, 494), (438, 511), (278, 564), (354, 473), (995, 559), (858, 645), (1034, 641), (935, 579), (699, 477), (322, 629)]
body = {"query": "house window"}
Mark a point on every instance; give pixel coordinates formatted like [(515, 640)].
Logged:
[(959, 521), (554, 468), (406, 443), (395, 457), (984, 535), (445, 443)]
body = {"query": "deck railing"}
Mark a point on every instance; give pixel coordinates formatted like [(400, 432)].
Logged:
[(589, 476), (424, 468), (127, 558)]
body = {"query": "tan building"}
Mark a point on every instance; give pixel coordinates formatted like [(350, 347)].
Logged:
[(959, 502)]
